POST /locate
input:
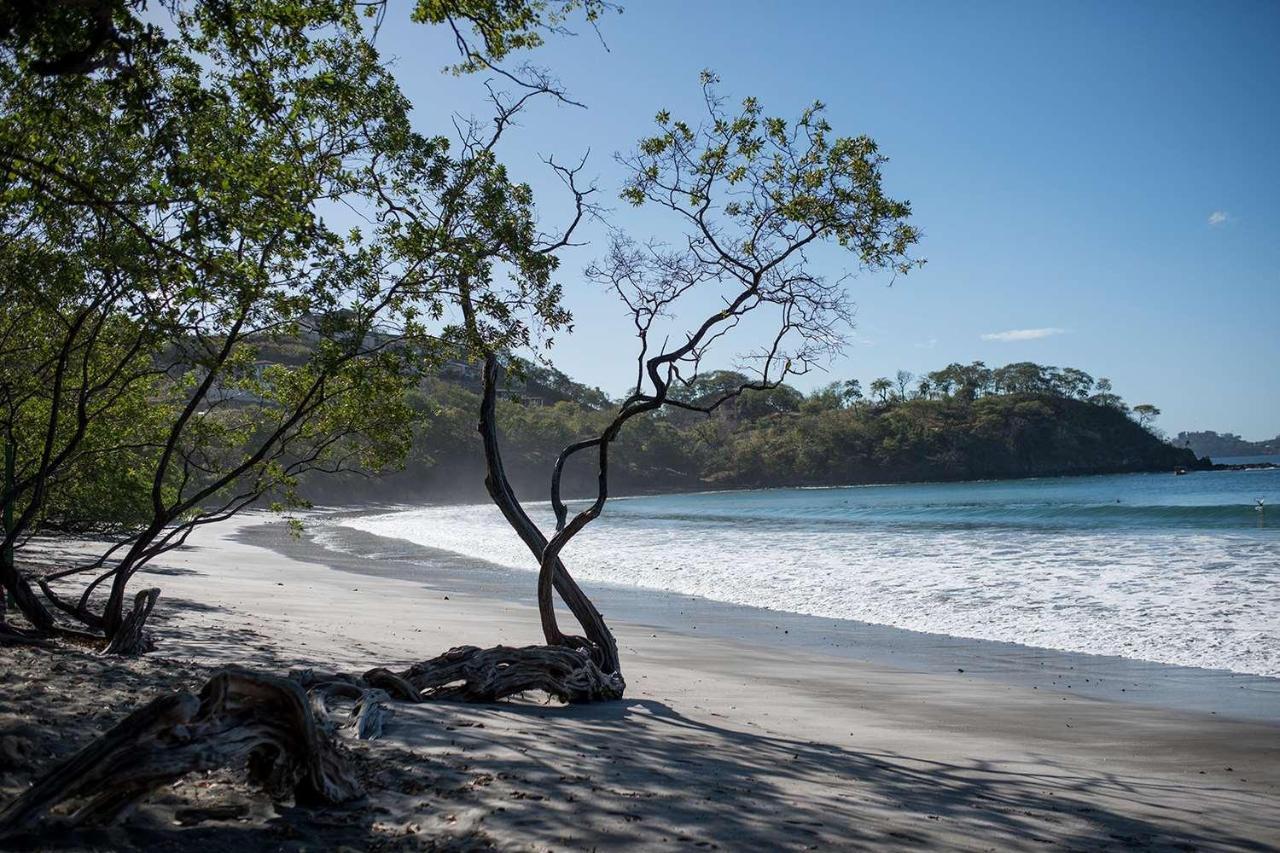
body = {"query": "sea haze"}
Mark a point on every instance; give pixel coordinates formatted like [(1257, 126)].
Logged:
[(1173, 569)]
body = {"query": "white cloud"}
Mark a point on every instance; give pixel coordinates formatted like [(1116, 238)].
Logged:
[(1022, 334), (1219, 217)]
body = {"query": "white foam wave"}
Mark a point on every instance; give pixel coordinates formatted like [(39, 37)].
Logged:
[(1195, 599)]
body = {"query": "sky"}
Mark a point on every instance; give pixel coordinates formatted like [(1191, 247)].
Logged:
[(1098, 184)]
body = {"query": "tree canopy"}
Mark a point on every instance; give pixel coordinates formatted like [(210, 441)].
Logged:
[(178, 185)]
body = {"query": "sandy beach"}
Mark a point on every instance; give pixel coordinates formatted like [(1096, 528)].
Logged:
[(719, 744)]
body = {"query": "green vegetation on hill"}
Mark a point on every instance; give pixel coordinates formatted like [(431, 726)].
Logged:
[(1218, 445), (961, 422)]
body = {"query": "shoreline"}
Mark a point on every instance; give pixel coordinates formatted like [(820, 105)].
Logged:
[(1106, 677), (718, 743), (704, 488)]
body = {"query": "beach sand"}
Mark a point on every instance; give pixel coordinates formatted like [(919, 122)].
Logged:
[(719, 744)]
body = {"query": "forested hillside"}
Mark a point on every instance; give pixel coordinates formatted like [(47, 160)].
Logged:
[(961, 422)]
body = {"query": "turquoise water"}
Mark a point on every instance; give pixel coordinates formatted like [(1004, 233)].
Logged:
[(1175, 569), (1203, 501)]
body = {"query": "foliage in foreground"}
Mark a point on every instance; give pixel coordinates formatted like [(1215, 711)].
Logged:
[(177, 184)]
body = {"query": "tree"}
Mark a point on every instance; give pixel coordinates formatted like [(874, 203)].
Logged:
[(835, 395), (902, 380), (1075, 383), (969, 380), (751, 193), (1023, 377), (1146, 414), (79, 407), (208, 174), (1103, 396), (880, 389)]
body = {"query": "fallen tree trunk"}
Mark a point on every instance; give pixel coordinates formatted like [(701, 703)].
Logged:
[(239, 717)]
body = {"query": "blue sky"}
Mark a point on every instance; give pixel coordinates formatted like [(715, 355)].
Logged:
[(1098, 183)]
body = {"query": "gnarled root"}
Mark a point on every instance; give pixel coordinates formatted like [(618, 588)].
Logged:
[(238, 717), (369, 714), (487, 675), (467, 674)]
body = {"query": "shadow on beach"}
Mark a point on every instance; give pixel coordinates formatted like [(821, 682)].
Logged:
[(629, 774), (637, 773)]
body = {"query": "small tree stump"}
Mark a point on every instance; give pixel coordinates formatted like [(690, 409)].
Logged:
[(370, 714), (132, 638)]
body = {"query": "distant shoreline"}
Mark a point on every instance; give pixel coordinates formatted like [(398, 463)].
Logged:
[(477, 495)]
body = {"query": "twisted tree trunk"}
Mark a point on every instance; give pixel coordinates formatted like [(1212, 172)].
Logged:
[(12, 582), (599, 638)]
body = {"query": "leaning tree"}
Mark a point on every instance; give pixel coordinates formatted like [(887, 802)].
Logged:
[(754, 196)]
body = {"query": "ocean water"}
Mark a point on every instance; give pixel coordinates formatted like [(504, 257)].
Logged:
[(1174, 569)]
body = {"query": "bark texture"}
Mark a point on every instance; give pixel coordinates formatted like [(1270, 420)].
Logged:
[(132, 637), (487, 675), (599, 640), (466, 674)]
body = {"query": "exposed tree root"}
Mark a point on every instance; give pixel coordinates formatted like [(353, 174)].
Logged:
[(467, 674), (280, 728), (11, 636), (487, 675), (370, 715), (238, 717)]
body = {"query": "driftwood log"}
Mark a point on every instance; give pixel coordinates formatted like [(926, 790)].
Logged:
[(239, 718)]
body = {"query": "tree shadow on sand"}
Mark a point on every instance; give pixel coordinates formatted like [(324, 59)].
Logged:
[(638, 773)]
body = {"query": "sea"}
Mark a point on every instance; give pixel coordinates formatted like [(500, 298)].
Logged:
[(1181, 570)]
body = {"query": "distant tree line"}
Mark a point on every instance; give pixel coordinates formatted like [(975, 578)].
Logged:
[(964, 421), (1217, 445)]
